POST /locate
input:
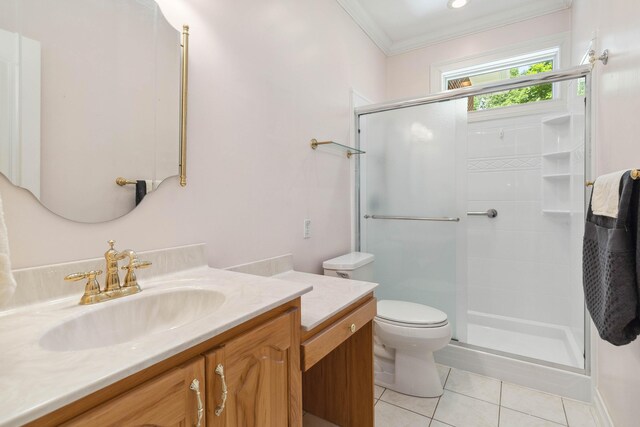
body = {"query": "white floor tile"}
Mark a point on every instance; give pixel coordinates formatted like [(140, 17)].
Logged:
[(579, 414), (423, 405), (388, 415), (436, 423), (377, 391), (533, 402), (463, 411), (443, 371), (310, 420), (511, 418), (473, 385)]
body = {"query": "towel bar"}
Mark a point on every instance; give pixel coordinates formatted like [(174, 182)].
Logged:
[(124, 181)]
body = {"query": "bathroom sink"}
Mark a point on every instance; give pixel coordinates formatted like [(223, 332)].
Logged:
[(127, 319)]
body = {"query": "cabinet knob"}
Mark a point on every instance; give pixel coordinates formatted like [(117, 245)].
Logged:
[(352, 328)]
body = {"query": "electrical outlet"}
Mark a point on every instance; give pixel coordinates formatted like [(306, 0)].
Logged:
[(307, 229)]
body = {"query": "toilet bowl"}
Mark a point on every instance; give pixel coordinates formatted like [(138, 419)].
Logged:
[(406, 335)]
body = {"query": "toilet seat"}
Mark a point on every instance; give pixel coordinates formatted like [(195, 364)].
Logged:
[(409, 314), (410, 325)]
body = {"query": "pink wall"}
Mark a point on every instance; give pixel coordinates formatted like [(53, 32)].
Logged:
[(617, 130), (408, 75), (265, 78)]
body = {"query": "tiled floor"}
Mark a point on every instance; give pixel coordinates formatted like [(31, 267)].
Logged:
[(472, 400)]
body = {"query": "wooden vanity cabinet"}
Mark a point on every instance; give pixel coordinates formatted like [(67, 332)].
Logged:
[(255, 375), (163, 401), (337, 364), (261, 365)]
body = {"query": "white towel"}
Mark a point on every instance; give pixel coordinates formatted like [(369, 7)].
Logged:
[(606, 194), (7, 282), (152, 184)]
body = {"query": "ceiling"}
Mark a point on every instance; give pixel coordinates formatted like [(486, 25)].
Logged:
[(398, 26)]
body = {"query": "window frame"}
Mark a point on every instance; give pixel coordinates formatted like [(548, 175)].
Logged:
[(547, 48)]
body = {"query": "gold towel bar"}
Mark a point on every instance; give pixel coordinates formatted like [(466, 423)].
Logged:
[(635, 174), (124, 181)]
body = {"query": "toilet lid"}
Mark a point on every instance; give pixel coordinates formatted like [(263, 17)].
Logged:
[(410, 313)]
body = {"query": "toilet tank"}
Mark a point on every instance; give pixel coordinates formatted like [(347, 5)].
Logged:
[(354, 266)]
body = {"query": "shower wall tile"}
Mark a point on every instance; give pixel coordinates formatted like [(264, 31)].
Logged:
[(487, 143), (529, 217), (532, 246), (504, 163), (528, 185), (519, 263), (491, 186), (526, 276), (528, 140)]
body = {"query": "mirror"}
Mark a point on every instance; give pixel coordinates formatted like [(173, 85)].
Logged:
[(90, 91)]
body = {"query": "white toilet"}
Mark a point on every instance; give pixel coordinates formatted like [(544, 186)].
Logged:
[(405, 334)]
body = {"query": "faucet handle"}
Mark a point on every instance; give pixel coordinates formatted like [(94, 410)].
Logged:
[(91, 275), (136, 264), (92, 292), (130, 280)]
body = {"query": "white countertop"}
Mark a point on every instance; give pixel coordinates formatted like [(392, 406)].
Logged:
[(35, 381), (329, 296)]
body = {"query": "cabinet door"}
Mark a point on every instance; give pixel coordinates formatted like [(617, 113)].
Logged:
[(166, 400), (257, 368)]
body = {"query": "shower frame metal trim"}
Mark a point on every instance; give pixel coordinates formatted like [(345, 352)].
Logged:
[(573, 73)]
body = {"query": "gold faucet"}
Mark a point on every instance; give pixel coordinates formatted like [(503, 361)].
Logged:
[(112, 288)]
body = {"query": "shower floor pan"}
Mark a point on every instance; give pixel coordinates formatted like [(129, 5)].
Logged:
[(543, 341)]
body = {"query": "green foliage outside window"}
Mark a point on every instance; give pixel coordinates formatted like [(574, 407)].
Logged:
[(518, 96)]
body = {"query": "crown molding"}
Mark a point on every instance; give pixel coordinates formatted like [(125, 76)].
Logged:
[(364, 20), (390, 48)]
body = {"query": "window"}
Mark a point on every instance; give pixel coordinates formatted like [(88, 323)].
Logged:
[(502, 70)]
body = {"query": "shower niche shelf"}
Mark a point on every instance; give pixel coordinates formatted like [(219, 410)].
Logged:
[(556, 164), (350, 151)]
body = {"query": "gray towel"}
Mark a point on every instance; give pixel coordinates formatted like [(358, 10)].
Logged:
[(611, 263)]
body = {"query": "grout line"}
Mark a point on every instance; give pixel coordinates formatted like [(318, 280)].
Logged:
[(472, 397), (433, 417), (409, 410), (535, 416), (564, 410), (500, 404), (447, 377)]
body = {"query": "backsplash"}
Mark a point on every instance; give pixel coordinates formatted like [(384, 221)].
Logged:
[(46, 283)]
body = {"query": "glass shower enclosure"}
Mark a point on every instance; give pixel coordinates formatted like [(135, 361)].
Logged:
[(481, 215)]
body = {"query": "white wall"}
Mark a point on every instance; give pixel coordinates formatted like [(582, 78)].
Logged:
[(408, 75), (265, 78), (617, 102)]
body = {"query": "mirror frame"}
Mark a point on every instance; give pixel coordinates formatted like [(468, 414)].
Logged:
[(183, 106)]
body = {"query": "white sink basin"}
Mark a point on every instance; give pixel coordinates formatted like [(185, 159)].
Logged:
[(122, 320)]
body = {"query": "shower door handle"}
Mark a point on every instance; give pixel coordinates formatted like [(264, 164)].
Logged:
[(491, 213)]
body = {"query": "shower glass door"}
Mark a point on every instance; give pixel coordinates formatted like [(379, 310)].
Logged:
[(412, 214), (511, 282)]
